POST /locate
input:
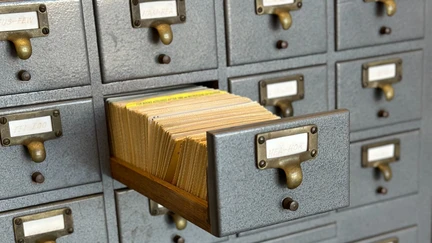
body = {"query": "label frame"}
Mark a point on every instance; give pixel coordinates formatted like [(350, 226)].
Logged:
[(149, 23), (42, 19), (259, 4), (396, 157), (18, 225), (274, 101), (365, 73), (5, 133)]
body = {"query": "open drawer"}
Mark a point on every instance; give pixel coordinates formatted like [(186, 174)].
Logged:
[(245, 188)]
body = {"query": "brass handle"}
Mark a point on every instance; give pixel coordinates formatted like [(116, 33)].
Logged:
[(284, 18), (23, 46), (390, 6), (286, 108), (385, 170), (36, 149), (294, 175), (388, 91), (165, 33), (179, 221)]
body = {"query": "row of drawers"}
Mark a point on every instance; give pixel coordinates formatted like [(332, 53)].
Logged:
[(72, 159), (84, 221), (59, 59)]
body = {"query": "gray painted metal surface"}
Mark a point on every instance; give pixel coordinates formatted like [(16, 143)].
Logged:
[(136, 223), (59, 60), (242, 197), (359, 23), (88, 220), (315, 85), (252, 38), (71, 159), (365, 103), (128, 53), (408, 214)]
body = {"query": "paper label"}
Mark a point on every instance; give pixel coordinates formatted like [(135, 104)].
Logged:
[(187, 95), (285, 146), (282, 89), (382, 152), (19, 21), (382, 72), (30, 126), (158, 9), (267, 3), (41, 226)]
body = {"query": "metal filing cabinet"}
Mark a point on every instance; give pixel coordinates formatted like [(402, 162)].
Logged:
[(295, 57)]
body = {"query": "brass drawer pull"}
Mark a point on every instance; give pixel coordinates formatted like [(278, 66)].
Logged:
[(156, 209), (281, 10), (390, 6), (380, 155)]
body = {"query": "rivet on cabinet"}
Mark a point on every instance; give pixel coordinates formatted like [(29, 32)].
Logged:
[(20, 23)]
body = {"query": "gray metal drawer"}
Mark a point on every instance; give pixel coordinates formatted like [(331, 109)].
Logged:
[(71, 159), (377, 219), (59, 60), (368, 184), (254, 38), (88, 216), (136, 223), (369, 106), (361, 23), (132, 53), (241, 196), (314, 89), (408, 235), (318, 234)]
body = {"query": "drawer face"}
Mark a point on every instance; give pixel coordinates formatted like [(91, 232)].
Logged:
[(318, 234), (253, 38), (71, 159), (88, 220), (258, 195), (377, 219), (366, 182), (400, 236), (132, 53), (58, 60), (136, 223), (359, 23), (315, 89), (367, 105)]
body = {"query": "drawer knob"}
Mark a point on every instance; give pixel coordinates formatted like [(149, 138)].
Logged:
[(164, 59), (22, 45), (179, 221), (390, 6), (385, 169), (178, 239), (383, 114), (165, 33), (290, 204), (36, 149), (23, 75), (388, 91), (385, 30), (382, 190), (282, 44), (37, 177)]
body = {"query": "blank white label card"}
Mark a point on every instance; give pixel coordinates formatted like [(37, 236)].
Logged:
[(267, 3), (282, 89), (42, 226), (382, 72), (381, 152)]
